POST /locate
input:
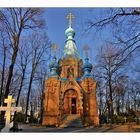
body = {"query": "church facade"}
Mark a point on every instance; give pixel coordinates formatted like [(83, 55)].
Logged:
[(70, 88)]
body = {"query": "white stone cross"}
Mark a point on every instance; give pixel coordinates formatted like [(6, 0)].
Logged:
[(8, 110)]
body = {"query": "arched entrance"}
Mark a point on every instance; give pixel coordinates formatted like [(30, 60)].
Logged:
[(70, 102)]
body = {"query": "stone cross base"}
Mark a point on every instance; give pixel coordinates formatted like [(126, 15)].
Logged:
[(7, 127)]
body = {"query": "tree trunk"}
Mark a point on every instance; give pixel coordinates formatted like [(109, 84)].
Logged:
[(100, 106), (21, 83), (2, 78), (11, 67), (19, 91), (110, 99), (10, 71), (42, 99), (29, 90), (1, 90)]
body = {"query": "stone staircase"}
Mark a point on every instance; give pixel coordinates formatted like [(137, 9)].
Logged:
[(72, 120)]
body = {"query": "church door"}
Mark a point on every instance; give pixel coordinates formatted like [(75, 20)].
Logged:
[(73, 106), (70, 102)]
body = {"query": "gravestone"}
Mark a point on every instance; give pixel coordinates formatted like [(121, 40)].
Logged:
[(27, 121), (125, 119), (8, 110)]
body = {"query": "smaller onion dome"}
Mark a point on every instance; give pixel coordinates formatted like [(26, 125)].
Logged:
[(87, 67), (87, 64), (54, 67), (53, 63)]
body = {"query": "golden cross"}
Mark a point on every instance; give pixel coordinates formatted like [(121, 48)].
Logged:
[(70, 16), (54, 47), (86, 49)]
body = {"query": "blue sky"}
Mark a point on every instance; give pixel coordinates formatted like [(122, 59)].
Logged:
[(57, 24)]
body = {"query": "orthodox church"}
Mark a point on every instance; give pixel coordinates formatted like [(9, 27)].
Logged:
[(70, 88)]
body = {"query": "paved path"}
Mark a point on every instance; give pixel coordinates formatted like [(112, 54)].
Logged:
[(116, 128)]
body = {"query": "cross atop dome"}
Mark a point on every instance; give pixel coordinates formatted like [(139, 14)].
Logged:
[(70, 49), (54, 48), (70, 17), (86, 49)]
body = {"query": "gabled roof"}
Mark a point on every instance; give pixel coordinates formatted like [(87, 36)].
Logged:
[(71, 83)]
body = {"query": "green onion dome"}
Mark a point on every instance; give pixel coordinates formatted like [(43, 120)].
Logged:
[(54, 68), (70, 33), (53, 63), (87, 65), (87, 68)]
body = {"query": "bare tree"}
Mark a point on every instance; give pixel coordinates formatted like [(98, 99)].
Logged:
[(22, 102), (120, 91), (15, 21), (134, 95), (39, 44), (42, 79), (109, 64), (124, 24), (4, 47), (24, 59)]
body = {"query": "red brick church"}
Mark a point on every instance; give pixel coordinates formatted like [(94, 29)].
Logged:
[(70, 88)]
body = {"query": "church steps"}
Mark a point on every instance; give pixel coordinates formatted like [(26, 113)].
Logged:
[(72, 120)]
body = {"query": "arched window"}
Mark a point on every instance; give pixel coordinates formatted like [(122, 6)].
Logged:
[(70, 72)]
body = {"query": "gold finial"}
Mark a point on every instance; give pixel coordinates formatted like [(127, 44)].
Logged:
[(54, 47), (86, 49), (70, 16)]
